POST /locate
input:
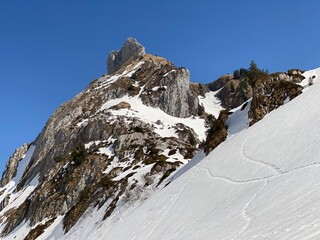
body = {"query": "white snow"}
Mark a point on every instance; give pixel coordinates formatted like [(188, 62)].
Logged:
[(310, 74), (211, 103), (89, 144), (79, 124), (166, 74), (174, 157), (106, 151), (115, 163), (262, 183), (238, 120), (54, 230), (23, 163), (107, 80), (158, 87), (20, 232), (152, 115), (17, 198)]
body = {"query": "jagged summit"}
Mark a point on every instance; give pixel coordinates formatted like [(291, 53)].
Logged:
[(131, 49), (123, 135)]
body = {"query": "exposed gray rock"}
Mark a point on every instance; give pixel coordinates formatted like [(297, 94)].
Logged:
[(171, 93), (234, 93), (130, 50), (12, 164), (72, 178)]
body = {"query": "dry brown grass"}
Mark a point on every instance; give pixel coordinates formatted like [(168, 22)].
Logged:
[(121, 105)]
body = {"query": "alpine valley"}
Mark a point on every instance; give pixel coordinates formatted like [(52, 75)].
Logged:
[(144, 154)]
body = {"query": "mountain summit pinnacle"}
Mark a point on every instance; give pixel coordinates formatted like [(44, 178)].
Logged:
[(131, 49)]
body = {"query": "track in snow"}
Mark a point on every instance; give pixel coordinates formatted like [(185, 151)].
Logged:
[(270, 166), (167, 208), (245, 214), (248, 218)]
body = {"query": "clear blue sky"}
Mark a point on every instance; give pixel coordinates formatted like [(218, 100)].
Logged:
[(51, 50)]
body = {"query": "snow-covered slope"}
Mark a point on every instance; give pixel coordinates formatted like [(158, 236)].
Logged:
[(263, 183), (125, 159), (110, 146)]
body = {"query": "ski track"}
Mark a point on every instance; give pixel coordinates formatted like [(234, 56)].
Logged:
[(245, 214), (270, 166), (234, 181), (173, 200), (277, 173)]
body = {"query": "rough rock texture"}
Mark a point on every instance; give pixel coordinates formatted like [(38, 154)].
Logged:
[(130, 50), (295, 75), (220, 82), (12, 164), (232, 92), (89, 155), (86, 155), (171, 93), (271, 92)]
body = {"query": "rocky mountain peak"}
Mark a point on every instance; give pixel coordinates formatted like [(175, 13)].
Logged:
[(127, 134), (131, 49)]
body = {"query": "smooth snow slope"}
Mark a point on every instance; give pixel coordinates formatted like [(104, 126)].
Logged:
[(263, 183)]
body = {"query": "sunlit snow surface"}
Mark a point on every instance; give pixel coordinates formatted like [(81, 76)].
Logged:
[(153, 115), (262, 183), (211, 103)]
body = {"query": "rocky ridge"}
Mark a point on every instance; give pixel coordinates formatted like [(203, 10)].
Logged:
[(102, 146), (123, 136)]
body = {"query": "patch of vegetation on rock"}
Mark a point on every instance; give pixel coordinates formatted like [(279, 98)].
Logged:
[(154, 158), (138, 129), (269, 94), (172, 152), (78, 155), (38, 230), (217, 132), (121, 105)]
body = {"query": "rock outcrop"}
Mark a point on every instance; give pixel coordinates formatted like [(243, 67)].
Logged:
[(12, 164), (169, 90), (96, 149), (232, 92), (270, 93), (130, 50)]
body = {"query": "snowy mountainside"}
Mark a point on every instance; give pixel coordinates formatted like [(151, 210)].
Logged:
[(110, 146), (263, 183), (129, 147)]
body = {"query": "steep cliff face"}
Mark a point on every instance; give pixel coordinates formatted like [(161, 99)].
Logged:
[(111, 144)]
